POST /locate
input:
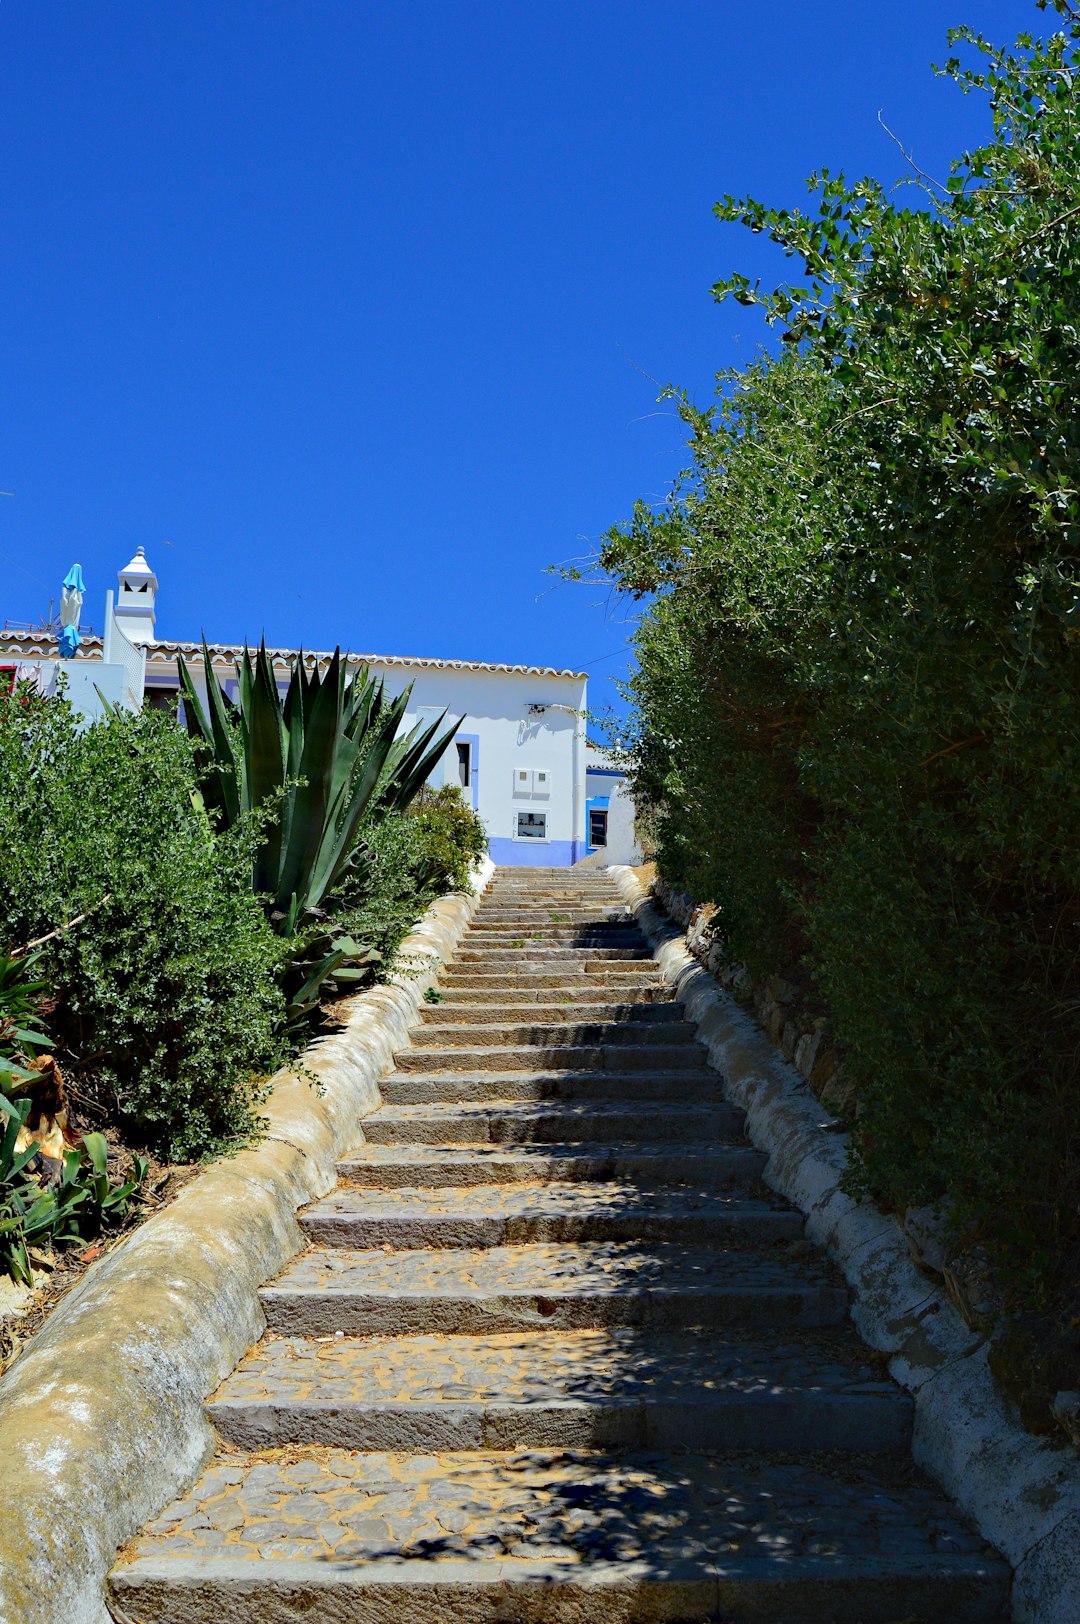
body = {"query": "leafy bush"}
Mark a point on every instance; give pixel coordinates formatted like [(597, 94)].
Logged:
[(432, 849), (35, 1209), (169, 978), (857, 713), (448, 839), (312, 765)]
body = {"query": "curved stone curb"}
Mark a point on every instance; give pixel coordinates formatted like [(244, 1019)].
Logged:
[(101, 1418), (1022, 1493)]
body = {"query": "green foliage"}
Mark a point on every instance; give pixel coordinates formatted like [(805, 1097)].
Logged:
[(105, 1202), (169, 978), (311, 767), (83, 1200), (448, 840), (433, 849), (28, 1213), (857, 713), (21, 1034), (81, 1203), (314, 763)]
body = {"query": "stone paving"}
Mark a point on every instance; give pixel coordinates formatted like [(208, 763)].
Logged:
[(554, 1354)]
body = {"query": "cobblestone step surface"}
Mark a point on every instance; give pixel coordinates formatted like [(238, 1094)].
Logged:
[(468, 1163), (554, 1353), (558, 1121), (522, 1056), (570, 1030), (603, 932), (627, 993), (544, 1389), (535, 957), (519, 1214), (507, 1016), (506, 1288), (552, 923), (685, 1537), (433, 1082)]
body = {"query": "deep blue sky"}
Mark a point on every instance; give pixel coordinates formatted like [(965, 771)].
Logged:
[(357, 305)]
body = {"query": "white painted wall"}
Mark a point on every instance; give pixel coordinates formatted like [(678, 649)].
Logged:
[(505, 739), (509, 740), (87, 685), (623, 845)]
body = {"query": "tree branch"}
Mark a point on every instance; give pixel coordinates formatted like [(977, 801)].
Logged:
[(40, 941)]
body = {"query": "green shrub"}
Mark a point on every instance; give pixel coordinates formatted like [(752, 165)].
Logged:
[(431, 849), (168, 984), (448, 839), (857, 712)]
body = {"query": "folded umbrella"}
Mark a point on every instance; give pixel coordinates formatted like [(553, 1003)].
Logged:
[(71, 598)]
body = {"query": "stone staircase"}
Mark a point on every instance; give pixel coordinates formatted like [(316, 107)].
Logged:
[(555, 1355)]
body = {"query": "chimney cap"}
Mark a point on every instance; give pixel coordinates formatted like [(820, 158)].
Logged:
[(138, 569)]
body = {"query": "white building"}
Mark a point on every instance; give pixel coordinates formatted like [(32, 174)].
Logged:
[(520, 753)]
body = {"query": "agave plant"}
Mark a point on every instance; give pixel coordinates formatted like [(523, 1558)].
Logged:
[(316, 763)]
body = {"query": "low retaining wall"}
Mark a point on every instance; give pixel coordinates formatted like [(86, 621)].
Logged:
[(1023, 1493), (101, 1417)]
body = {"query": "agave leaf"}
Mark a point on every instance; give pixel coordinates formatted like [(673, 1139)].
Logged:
[(308, 822), (421, 748), (210, 729), (365, 703), (341, 831), (265, 733), (266, 751)]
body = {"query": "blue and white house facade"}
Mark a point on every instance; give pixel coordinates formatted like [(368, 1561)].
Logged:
[(520, 754)]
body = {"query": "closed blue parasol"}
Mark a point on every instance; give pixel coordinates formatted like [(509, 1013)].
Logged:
[(70, 608)]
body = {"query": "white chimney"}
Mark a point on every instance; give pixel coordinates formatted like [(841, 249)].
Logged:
[(135, 601)]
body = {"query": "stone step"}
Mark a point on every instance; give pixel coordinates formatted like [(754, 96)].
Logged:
[(591, 978), (464, 1056), (547, 936), (556, 1537), (600, 902), (537, 884), (392, 1165), (511, 1015), (605, 889), (564, 1390), (590, 973), (516, 1123), (504, 1215), (423, 1085), (452, 995), (489, 918), (611, 1034), (535, 957), (547, 1285), (592, 916)]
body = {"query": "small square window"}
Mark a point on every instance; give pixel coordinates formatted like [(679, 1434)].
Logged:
[(532, 825)]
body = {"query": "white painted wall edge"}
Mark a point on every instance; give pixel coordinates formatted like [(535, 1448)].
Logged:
[(1022, 1493), (101, 1417)]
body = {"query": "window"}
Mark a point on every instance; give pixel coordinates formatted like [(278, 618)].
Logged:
[(597, 826), (532, 826), (464, 764), (161, 699)]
